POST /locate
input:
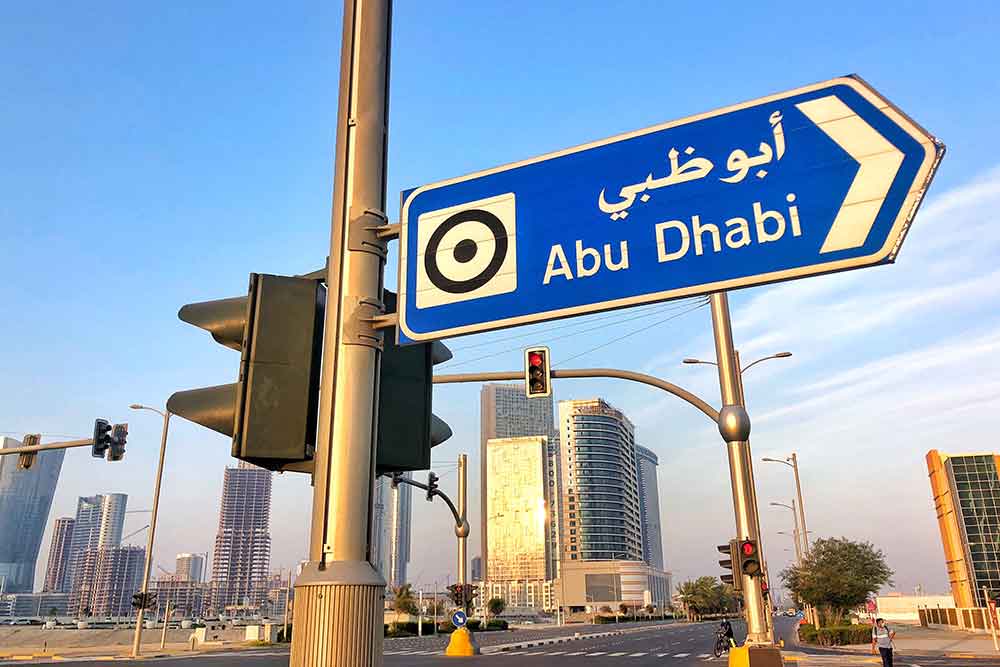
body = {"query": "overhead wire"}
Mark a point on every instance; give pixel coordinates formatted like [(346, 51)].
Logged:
[(701, 304), (648, 309), (542, 335)]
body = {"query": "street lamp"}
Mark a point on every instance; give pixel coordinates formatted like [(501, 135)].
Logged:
[(793, 463), (776, 355), (152, 524)]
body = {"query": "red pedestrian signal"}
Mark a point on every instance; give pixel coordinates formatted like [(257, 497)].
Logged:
[(537, 373)]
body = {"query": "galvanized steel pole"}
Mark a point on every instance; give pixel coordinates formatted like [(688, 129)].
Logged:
[(734, 426), (339, 594), (137, 639)]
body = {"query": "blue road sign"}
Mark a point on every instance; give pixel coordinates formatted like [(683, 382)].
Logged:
[(819, 179), (459, 619)]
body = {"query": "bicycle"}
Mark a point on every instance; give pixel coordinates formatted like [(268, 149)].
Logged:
[(722, 644)]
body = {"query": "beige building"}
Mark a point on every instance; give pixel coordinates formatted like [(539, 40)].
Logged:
[(590, 585), (517, 510)]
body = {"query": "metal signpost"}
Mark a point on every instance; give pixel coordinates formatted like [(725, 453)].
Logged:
[(818, 179)]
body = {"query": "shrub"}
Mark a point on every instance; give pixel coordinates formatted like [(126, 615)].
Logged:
[(838, 635), (496, 624), (601, 620), (473, 624), (445, 627)]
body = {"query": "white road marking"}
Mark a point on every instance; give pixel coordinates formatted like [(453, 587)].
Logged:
[(682, 655), (616, 655), (590, 655), (577, 653), (636, 655)]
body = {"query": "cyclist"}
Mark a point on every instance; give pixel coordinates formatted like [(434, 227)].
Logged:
[(726, 630)]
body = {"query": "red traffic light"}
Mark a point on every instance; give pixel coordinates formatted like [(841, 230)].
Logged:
[(748, 548), (537, 375)]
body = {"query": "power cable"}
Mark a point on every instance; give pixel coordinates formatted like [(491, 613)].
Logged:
[(449, 366), (582, 321), (701, 304)]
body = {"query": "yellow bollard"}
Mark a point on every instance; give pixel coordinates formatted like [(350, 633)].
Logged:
[(461, 643)]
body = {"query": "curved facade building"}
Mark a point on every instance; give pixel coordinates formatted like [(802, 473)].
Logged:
[(600, 509), (25, 500)]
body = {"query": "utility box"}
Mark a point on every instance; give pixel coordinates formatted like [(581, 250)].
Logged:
[(268, 632)]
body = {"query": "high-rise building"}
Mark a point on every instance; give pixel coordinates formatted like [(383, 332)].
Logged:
[(98, 525), (190, 567), (518, 510), (186, 596), (25, 500), (506, 412), (392, 516), (966, 491), (242, 555), (649, 507), (117, 576), (56, 574), (477, 568), (600, 512)]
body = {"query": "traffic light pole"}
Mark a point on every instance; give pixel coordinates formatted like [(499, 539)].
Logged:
[(137, 639), (741, 397), (339, 596), (734, 425)]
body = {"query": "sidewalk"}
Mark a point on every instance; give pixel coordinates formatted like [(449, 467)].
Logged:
[(916, 640)]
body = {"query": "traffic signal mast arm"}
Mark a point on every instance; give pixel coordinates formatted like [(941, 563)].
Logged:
[(68, 444), (397, 478), (669, 387)]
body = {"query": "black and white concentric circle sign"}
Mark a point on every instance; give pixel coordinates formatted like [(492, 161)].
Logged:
[(466, 251)]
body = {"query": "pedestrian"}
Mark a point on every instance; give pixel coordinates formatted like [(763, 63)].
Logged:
[(882, 636)]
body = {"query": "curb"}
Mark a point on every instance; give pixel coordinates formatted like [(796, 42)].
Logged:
[(919, 653), (546, 642)]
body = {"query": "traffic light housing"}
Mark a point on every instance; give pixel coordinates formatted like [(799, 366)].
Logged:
[(142, 600), (432, 485), (270, 412), (731, 551), (102, 438), (116, 448), (537, 372), (750, 558), (407, 428), (27, 459)]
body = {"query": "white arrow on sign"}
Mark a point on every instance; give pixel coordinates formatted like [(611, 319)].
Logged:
[(879, 161)]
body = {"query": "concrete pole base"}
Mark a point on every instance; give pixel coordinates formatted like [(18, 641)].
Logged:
[(338, 616), (755, 656)]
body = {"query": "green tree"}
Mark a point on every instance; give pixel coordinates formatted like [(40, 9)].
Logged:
[(706, 595), (496, 606), (838, 575), (53, 612), (403, 600)]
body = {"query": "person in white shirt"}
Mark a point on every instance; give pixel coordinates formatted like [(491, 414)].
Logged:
[(882, 636)]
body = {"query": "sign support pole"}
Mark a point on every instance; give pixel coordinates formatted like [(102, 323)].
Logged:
[(734, 425), (339, 595)]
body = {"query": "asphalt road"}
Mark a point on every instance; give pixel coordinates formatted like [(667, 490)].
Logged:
[(679, 645)]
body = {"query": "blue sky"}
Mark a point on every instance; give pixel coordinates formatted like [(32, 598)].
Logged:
[(156, 155)]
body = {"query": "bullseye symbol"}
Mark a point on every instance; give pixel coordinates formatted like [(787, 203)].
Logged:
[(466, 250)]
